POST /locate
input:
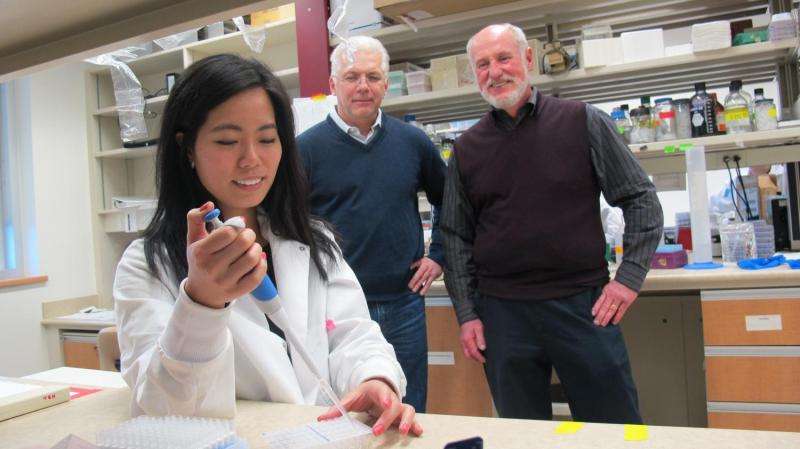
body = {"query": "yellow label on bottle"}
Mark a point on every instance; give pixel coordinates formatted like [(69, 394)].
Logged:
[(736, 114), (773, 113), (446, 154)]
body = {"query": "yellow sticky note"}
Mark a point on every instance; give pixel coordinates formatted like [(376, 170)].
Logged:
[(568, 428), (635, 432)]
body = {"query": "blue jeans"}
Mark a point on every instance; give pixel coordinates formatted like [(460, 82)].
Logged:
[(402, 322), (525, 340)]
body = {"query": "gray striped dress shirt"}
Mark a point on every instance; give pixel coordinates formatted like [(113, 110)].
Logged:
[(622, 180)]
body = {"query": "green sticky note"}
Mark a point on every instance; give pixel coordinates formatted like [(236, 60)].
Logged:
[(568, 428), (684, 147), (635, 432), (669, 149)]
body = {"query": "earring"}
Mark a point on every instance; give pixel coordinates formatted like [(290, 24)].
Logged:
[(191, 164)]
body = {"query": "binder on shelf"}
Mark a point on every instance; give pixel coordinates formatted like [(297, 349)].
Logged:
[(20, 396)]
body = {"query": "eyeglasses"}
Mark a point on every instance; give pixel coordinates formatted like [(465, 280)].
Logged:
[(354, 79)]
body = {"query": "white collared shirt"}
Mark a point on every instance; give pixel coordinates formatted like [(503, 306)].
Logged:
[(353, 131)]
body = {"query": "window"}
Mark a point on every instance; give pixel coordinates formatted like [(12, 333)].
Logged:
[(14, 157)]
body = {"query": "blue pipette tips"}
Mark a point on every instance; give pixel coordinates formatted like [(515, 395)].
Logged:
[(211, 215)]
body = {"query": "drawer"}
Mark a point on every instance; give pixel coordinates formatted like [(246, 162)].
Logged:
[(775, 417), (753, 374), (449, 370), (751, 317)]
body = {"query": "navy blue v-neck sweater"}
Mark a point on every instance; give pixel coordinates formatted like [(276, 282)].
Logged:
[(369, 193)]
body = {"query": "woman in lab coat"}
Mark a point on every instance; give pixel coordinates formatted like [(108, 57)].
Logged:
[(192, 339)]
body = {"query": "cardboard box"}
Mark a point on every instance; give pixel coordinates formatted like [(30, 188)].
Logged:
[(272, 15), (767, 186), (419, 9), (451, 72)]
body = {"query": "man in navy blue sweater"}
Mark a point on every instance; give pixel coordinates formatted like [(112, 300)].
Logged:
[(365, 169)]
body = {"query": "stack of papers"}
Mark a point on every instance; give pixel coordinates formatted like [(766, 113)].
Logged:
[(124, 202)]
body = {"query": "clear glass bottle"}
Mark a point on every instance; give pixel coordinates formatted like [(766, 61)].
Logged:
[(665, 126), (766, 115), (704, 121), (759, 95), (737, 110), (683, 118), (642, 130)]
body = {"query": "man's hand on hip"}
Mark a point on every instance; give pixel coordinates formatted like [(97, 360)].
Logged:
[(427, 272), (612, 304), (472, 341)]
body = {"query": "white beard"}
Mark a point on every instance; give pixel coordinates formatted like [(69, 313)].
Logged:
[(510, 99)]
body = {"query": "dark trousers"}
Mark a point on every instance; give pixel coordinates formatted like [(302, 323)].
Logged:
[(525, 340), (402, 323)]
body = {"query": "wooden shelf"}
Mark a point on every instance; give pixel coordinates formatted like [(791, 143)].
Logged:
[(113, 111), (673, 74), (280, 32), (755, 148), (158, 62), (289, 77), (127, 153)]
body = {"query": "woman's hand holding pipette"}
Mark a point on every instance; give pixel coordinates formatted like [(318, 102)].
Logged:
[(224, 264), (378, 399)]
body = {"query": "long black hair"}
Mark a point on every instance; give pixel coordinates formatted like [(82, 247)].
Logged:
[(205, 85)]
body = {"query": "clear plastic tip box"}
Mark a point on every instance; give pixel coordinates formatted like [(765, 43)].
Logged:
[(337, 433), (171, 432)]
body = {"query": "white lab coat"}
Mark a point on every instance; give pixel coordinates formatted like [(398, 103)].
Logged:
[(180, 357)]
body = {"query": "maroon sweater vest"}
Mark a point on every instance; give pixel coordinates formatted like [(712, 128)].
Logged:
[(538, 233)]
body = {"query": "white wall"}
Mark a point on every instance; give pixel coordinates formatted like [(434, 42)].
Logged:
[(60, 182)]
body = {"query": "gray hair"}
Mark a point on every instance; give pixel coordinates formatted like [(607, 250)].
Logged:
[(519, 36), (347, 49)]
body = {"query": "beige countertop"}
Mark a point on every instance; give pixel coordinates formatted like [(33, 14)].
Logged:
[(86, 416), (680, 279)]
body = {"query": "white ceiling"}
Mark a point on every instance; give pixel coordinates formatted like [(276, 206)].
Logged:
[(35, 34)]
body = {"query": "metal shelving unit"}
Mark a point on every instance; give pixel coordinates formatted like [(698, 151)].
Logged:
[(751, 63), (447, 35)]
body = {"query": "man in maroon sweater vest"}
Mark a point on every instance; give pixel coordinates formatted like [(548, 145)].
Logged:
[(524, 242)]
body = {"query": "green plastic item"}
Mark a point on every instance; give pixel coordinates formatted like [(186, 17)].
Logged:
[(750, 37)]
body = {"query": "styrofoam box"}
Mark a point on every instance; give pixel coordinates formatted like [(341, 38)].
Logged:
[(642, 45), (711, 35), (677, 50), (601, 52)]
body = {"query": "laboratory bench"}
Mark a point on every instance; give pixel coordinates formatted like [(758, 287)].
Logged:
[(86, 416), (708, 348)]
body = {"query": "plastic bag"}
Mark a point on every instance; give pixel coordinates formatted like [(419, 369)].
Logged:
[(177, 39), (337, 26), (738, 239), (254, 38), (127, 92), (613, 223)]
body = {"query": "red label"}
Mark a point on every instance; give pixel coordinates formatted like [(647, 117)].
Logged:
[(75, 392), (666, 114)]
